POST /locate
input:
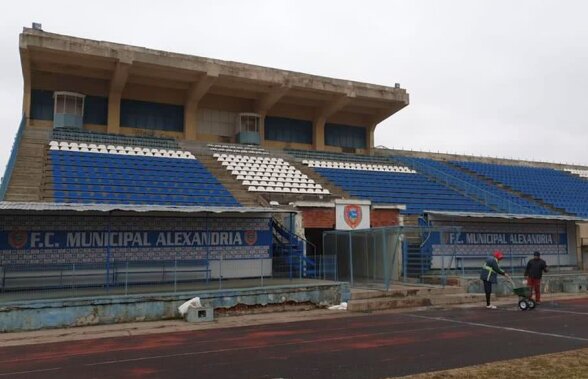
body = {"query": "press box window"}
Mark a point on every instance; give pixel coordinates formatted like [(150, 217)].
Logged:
[(68, 110), (248, 128)]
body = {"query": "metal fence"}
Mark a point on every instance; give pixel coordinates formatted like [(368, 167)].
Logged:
[(369, 257), (377, 257), (44, 281)]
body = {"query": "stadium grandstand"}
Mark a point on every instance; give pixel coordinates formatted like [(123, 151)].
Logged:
[(156, 145)]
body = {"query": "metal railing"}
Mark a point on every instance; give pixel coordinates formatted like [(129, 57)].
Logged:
[(468, 189), (109, 277), (75, 135), (12, 159)]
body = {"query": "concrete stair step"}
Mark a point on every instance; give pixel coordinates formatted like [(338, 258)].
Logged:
[(224, 176), (22, 197), (378, 304), (361, 294), (454, 299), (383, 303)]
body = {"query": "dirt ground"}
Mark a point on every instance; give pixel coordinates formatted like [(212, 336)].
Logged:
[(571, 364)]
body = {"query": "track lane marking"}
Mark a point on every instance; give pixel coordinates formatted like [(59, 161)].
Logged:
[(562, 311), (227, 338), (470, 323), (30, 371), (318, 340)]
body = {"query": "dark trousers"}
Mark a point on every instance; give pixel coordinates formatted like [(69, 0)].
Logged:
[(487, 290), (535, 285)]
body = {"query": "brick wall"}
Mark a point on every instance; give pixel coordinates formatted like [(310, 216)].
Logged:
[(323, 218), (384, 217)]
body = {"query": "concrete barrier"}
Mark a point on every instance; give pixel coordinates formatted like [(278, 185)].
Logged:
[(569, 283), (40, 314), (202, 314)]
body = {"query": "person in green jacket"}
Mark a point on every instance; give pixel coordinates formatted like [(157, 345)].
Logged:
[(489, 275)]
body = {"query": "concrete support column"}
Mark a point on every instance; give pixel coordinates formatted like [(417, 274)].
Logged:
[(113, 126), (318, 133), (117, 85), (26, 101), (369, 138), (262, 115), (265, 103), (331, 107), (190, 121), (26, 75), (194, 94)]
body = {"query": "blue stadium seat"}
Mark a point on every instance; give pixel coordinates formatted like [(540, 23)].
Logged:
[(415, 190), (104, 178), (495, 196), (558, 188)]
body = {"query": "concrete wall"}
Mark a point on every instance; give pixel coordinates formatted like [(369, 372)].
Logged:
[(19, 316), (550, 283)]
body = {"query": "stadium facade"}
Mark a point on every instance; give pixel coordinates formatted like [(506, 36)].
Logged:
[(129, 158)]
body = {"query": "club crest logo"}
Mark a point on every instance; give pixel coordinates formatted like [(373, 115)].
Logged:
[(17, 239), (352, 215), (250, 237)]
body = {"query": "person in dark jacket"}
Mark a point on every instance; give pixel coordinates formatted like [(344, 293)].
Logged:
[(533, 273), (489, 275)]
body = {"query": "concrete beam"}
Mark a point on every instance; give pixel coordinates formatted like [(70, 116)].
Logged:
[(267, 101), (382, 115), (195, 93), (335, 105), (327, 110), (109, 50), (119, 77), (198, 89)]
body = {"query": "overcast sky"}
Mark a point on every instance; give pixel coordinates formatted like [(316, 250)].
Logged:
[(493, 78)]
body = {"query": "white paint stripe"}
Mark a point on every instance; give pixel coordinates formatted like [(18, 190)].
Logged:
[(499, 327), (560, 311), (203, 341), (30, 372)]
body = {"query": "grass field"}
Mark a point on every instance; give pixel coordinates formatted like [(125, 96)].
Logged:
[(570, 364)]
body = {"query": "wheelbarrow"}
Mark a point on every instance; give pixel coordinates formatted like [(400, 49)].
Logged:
[(524, 294)]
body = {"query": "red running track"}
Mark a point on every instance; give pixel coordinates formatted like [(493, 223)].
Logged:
[(372, 346)]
